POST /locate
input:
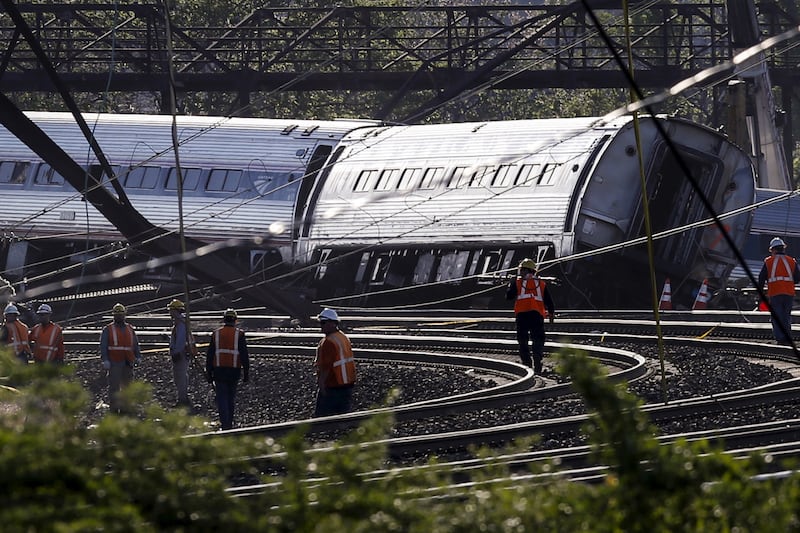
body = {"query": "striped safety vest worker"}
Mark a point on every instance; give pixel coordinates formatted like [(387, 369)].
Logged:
[(226, 347), (120, 344), (780, 270), (530, 296), (344, 365), (48, 341), (18, 337)]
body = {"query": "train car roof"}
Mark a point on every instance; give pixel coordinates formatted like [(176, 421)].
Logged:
[(553, 134), (780, 217), (135, 138)]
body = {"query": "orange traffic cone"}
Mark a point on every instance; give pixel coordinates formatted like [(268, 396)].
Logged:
[(701, 302), (666, 297)]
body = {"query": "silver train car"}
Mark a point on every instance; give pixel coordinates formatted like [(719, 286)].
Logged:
[(369, 213), (404, 207), (242, 179)]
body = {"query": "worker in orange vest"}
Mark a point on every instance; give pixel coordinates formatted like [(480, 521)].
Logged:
[(781, 273), (532, 302), (14, 333), (335, 367), (227, 360), (47, 338), (119, 353)]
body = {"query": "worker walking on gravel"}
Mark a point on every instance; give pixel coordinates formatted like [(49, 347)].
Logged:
[(781, 273), (119, 353), (532, 302), (226, 360), (14, 333), (182, 350), (47, 338), (335, 366)]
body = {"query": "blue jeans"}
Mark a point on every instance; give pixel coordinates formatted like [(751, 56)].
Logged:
[(226, 400), (333, 401), (782, 316), (530, 328)]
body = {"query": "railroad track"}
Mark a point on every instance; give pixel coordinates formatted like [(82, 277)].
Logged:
[(485, 345)]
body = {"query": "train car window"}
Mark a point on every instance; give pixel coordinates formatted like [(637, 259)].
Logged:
[(547, 177), (431, 177), (452, 265), (422, 272), (46, 175), (408, 178), (387, 179), (502, 178), (191, 179), (224, 180), (527, 173), (481, 176), (14, 172), (143, 178), (363, 182), (458, 178)]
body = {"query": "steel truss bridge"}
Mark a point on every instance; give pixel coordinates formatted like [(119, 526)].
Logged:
[(439, 51)]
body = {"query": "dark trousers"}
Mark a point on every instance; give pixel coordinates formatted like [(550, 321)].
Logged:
[(226, 400), (530, 328), (782, 309), (333, 401)]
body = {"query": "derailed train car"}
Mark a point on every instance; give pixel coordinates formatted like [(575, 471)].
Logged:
[(404, 207), (435, 213)]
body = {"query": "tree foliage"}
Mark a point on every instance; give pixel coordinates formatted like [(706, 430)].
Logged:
[(141, 472)]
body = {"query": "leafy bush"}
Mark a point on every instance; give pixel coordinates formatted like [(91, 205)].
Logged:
[(140, 472)]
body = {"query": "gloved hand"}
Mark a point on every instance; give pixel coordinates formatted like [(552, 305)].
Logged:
[(107, 365)]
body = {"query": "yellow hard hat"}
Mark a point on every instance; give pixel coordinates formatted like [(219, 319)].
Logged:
[(118, 309), (528, 263), (176, 305), (230, 313)]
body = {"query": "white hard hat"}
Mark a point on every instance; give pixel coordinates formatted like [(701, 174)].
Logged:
[(11, 309), (44, 309), (328, 314), (777, 241)]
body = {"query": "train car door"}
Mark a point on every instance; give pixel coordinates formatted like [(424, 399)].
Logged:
[(303, 204)]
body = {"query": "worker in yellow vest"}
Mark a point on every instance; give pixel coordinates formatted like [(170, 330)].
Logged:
[(182, 350)]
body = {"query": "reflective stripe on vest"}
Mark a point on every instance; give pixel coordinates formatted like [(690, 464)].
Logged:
[(120, 344), (226, 347), (781, 274), (530, 296), (45, 352), (18, 337), (344, 368)]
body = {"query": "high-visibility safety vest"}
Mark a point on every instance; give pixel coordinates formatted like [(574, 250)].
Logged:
[(530, 296), (343, 369), (48, 342), (121, 343), (18, 337), (780, 274), (226, 347)]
